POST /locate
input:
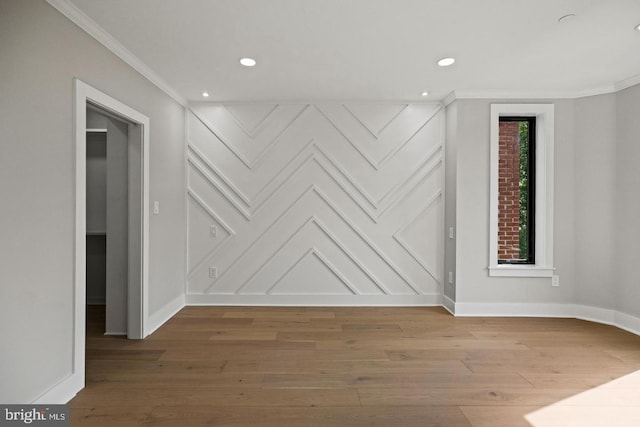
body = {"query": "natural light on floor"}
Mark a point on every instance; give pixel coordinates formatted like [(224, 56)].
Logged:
[(616, 403)]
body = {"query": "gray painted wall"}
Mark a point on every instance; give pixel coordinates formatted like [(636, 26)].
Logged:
[(627, 201), (41, 53), (594, 198), (472, 147), (597, 227)]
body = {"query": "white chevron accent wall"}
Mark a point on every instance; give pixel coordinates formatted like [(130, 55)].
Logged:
[(315, 204)]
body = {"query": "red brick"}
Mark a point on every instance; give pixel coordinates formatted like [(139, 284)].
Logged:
[(508, 191)]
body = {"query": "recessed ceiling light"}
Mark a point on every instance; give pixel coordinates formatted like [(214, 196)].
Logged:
[(425, 93), (566, 18), (637, 27), (205, 94), (445, 62), (248, 62)]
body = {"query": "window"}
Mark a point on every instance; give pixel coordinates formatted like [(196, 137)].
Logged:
[(521, 209), (516, 190)]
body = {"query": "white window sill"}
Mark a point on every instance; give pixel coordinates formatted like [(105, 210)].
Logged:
[(512, 270)]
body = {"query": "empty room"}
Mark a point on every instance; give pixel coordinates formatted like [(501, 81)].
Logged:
[(320, 213)]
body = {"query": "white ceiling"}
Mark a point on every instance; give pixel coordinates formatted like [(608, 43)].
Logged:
[(376, 49)]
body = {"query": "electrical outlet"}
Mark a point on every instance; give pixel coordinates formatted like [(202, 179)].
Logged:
[(451, 232), (156, 207), (555, 280), (213, 231), (451, 278), (213, 272)]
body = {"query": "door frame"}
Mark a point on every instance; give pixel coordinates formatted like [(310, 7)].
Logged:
[(138, 279)]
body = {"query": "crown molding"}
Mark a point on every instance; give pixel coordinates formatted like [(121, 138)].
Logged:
[(449, 98), (514, 94), (602, 90), (75, 15), (627, 83), (540, 95)]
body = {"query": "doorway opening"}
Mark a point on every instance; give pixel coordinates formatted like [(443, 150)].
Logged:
[(107, 217), (105, 223)]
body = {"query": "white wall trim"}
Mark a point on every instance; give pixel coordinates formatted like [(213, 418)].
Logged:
[(512, 94), (449, 98), (545, 129), (592, 314), (161, 316), (511, 270), (560, 310), (449, 304), (512, 309), (602, 90), (71, 11), (62, 392), (627, 83), (541, 94), (627, 322), (608, 317), (84, 93), (317, 300)]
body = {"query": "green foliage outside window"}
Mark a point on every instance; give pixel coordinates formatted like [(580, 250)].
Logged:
[(524, 189)]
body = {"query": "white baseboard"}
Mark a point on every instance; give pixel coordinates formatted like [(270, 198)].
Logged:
[(449, 304), (159, 318), (62, 392), (627, 322), (594, 314), (512, 310), (583, 312), (317, 300), (609, 317), (67, 388)]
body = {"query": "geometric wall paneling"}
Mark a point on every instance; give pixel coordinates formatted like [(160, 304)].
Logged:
[(250, 116), (378, 182), (204, 173), (249, 187), (374, 117), (315, 201), (311, 275), (378, 149), (248, 146), (206, 231), (427, 252), (316, 206), (335, 260)]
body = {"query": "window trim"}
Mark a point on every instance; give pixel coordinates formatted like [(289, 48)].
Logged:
[(543, 256)]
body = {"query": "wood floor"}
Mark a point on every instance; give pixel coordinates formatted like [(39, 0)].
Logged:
[(401, 367)]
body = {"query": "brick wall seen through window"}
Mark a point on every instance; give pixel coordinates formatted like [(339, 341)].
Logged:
[(516, 190)]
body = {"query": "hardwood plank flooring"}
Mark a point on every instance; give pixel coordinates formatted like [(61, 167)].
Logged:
[(288, 366)]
